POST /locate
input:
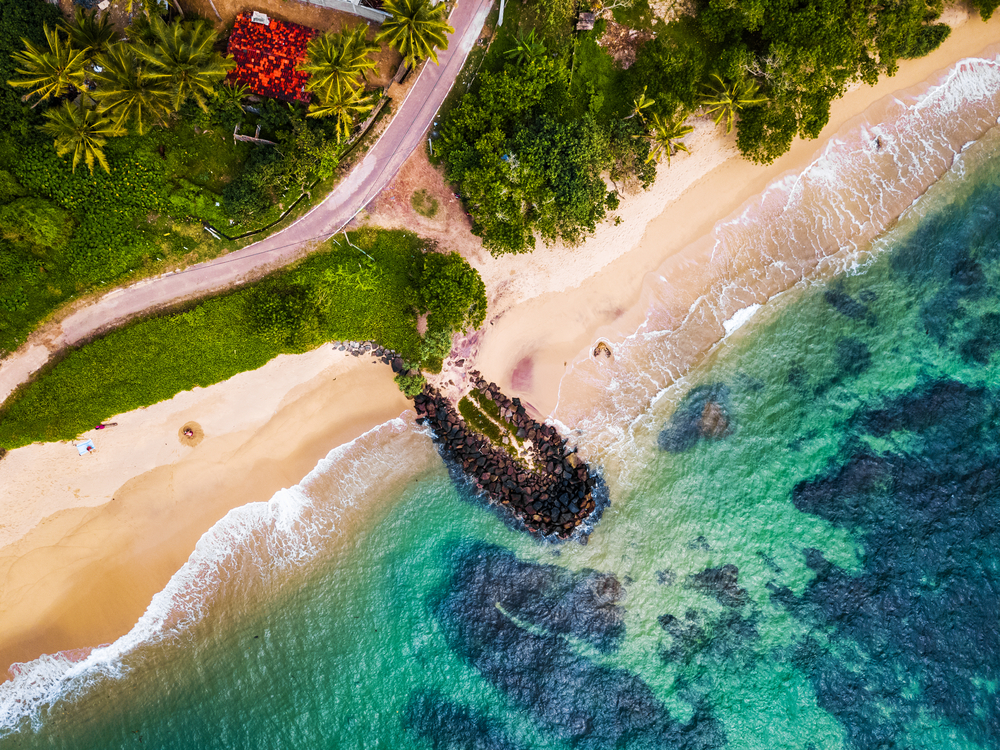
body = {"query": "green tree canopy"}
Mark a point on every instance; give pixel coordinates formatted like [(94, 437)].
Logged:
[(80, 131), (416, 28), (126, 94), (182, 58), (49, 71), (342, 106), (338, 61), (454, 295), (90, 33), (804, 53)]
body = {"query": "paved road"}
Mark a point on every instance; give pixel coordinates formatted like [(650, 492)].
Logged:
[(382, 162)]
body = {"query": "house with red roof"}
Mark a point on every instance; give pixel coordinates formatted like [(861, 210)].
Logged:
[(268, 53)]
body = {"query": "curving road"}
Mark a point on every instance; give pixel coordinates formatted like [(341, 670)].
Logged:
[(383, 160)]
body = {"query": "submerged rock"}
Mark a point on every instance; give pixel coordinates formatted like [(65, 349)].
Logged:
[(494, 615), (703, 413)]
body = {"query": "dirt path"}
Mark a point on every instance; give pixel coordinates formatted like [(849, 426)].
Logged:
[(406, 131)]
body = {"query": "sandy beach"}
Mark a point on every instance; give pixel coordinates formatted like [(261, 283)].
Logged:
[(544, 320), (85, 542)]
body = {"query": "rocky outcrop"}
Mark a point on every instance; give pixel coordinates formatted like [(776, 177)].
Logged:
[(546, 489)]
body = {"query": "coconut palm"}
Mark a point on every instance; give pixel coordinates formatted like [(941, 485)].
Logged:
[(665, 137), (88, 32), (230, 95), (640, 104), (725, 100), (50, 72), (81, 131), (344, 106), (415, 28), (126, 94), (182, 57), (338, 61), (528, 48)]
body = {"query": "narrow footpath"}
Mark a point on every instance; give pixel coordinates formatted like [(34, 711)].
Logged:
[(385, 158)]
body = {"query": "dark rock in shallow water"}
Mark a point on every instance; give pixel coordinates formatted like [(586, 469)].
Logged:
[(588, 705), (845, 305), (722, 584), (853, 357), (447, 725), (703, 413)]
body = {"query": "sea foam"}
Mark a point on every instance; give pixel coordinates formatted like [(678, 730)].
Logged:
[(250, 548), (805, 226)]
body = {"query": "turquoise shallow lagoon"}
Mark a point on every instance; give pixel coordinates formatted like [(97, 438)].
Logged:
[(826, 575)]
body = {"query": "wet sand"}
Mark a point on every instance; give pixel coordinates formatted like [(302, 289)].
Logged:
[(88, 540)]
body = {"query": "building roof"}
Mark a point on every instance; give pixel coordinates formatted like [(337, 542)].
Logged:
[(267, 55)]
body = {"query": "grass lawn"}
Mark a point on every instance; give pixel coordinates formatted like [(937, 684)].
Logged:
[(335, 294)]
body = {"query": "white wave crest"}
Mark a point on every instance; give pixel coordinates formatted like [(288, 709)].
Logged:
[(251, 545), (804, 226)]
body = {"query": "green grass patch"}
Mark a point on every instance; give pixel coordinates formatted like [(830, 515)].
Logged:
[(489, 406), (336, 294), (424, 204), (478, 421)]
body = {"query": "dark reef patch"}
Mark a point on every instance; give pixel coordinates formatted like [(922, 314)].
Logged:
[(916, 629), (492, 614), (846, 305), (703, 413), (853, 357), (447, 725), (722, 584)]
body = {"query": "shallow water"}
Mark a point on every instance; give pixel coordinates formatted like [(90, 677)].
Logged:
[(823, 572)]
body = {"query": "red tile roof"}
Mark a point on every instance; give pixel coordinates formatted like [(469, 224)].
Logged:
[(267, 57)]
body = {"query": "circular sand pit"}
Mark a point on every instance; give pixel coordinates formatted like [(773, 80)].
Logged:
[(191, 434)]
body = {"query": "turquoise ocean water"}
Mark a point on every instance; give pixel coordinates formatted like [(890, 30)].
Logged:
[(826, 575)]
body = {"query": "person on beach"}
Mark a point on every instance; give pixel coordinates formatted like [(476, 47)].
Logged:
[(189, 433), (105, 426)]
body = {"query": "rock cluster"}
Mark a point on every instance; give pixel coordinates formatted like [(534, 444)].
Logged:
[(388, 356), (547, 489)]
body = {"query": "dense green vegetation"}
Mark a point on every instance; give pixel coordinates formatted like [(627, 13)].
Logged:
[(528, 146), (339, 293), (147, 156), (551, 112)]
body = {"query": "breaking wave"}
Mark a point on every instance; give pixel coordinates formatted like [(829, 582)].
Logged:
[(805, 226), (244, 556)]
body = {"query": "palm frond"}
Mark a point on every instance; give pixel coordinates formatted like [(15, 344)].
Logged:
[(49, 72), (416, 28)]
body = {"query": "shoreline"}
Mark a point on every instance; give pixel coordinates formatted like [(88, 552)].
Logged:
[(89, 540), (86, 545), (532, 361)]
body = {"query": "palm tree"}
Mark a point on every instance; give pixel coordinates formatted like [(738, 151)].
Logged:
[(182, 57), (231, 94), (639, 104), (50, 72), (665, 137), (528, 48), (81, 131), (344, 106), (126, 93), (88, 32), (339, 61), (725, 100), (415, 28)]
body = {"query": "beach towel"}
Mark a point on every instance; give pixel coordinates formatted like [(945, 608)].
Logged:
[(81, 448)]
